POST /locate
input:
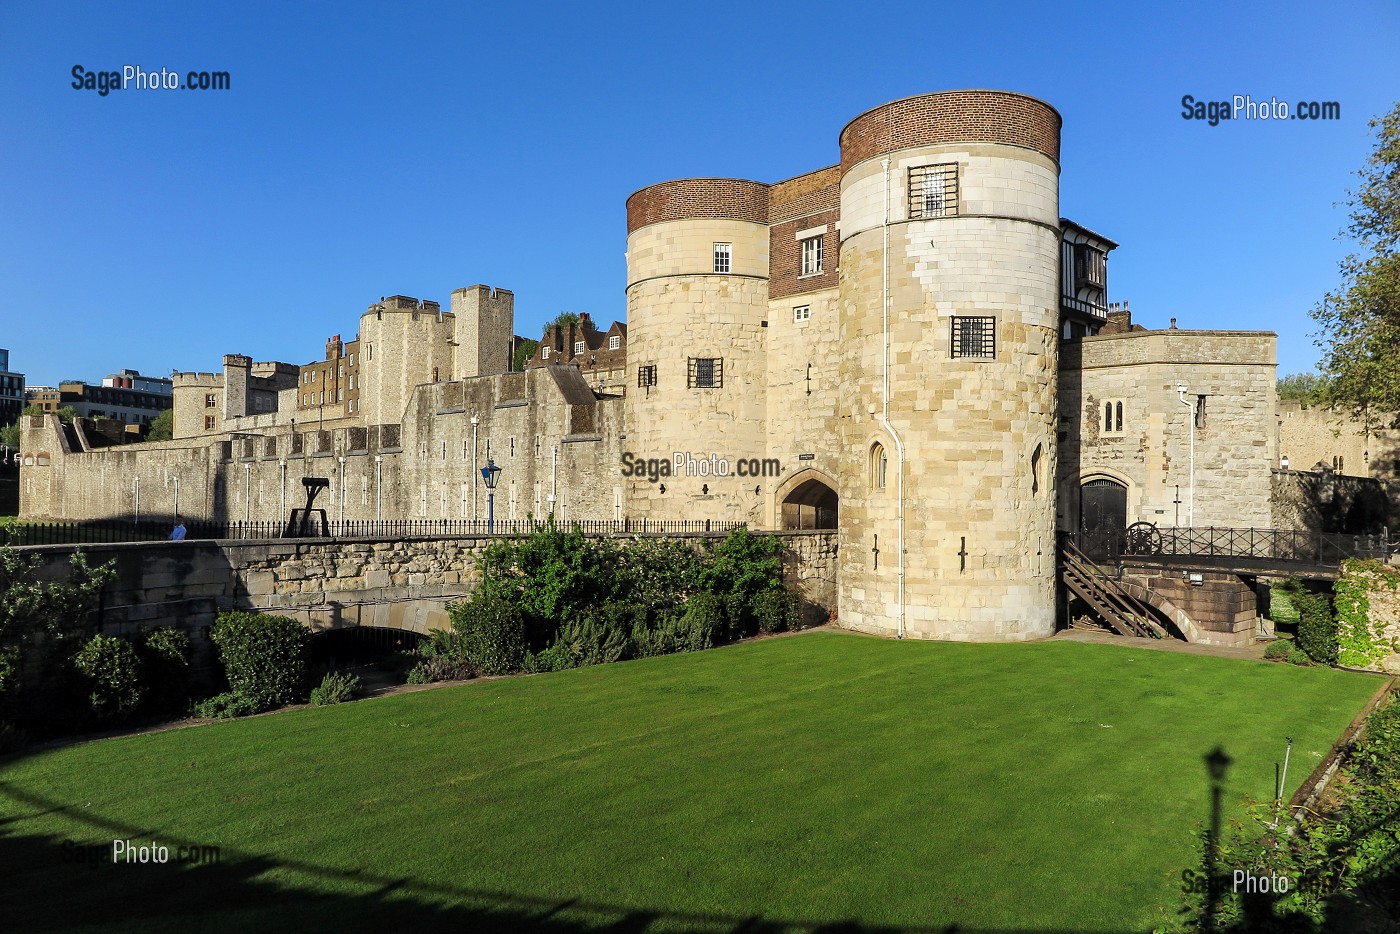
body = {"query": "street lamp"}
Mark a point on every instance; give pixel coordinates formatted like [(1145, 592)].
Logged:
[(1191, 428), (490, 475)]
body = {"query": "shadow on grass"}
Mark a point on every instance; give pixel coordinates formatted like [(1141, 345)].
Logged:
[(49, 883)]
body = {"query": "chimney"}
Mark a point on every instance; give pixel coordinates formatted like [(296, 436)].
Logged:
[(333, 347), (1173, 327)]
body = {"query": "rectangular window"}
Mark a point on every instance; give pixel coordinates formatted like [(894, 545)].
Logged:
[(801, 313), (812, 256), (722, 256), (208, 422), (615, 342), (646, 375), (975, 337), (544, 354), (933, 190), (578, 347), (1090, 266), (705, 373), (210, 401), (352, 359)]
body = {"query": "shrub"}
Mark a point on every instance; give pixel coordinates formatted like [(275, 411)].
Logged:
[(440, 668), (492, 632), (113, 672), (165, 663), (335, 688), (264, 657), (1317, 630), (1279, 649), (777, 610), (1297, 656), (226, 705), (656, 638), (602, 636), (703, 624), (557, 657)]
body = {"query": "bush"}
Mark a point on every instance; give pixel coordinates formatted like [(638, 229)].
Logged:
[(165, 663), (226, 705), (659, 638), (703, 624), (492, 632), (440, 668), (1317, 630), (1279, 649), (113, 672), (777, 610), (1297, 656), (335, 688), (264, 657), (557, 657)]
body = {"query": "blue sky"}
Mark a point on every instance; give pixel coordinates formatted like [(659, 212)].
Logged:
[(369, 150)]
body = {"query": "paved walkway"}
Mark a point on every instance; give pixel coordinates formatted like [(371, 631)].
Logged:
[(1255, 651)]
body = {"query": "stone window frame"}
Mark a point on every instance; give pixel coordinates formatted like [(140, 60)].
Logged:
[(208, 423), (1110, 418), (801, 313), (646, 375), (938, 182), (704, 373), (813, 256), (211, 401), (723, 257), (973, 337), (879, 466)]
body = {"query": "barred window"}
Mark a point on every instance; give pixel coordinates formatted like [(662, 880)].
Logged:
[(933, 190), (722, 255), (975, 336), (705, 373), (646, 375), (811, 256)]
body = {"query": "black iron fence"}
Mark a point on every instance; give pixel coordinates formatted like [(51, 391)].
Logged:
[(111, 531), (1219, 545)]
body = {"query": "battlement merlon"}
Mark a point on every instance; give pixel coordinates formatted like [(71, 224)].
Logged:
[(404, 303), (196, 379)]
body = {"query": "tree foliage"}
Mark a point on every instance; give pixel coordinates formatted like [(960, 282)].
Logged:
[(162, 426), (1360, 320), (523, 353), (9, 435), (1307, 388), (563, 319)]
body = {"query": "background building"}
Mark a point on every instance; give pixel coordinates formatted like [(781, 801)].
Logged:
[(11, 391)]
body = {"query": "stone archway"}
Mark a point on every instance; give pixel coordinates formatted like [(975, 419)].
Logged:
[(811, 504)]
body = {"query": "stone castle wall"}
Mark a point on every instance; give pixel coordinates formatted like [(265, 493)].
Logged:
[(1236, 447)]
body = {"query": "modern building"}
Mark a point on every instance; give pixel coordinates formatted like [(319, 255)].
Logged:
[(126, 397), (11, 391)]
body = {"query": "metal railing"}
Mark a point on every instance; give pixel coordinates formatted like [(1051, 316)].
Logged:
[(115, 530), (1327, 549)]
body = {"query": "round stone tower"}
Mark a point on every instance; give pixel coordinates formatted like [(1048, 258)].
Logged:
[(949, 312), (697, 308)]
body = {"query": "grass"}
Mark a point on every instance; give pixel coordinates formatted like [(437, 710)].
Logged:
[(804, 781)]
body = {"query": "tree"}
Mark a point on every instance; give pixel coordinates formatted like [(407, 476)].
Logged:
[(162, 426), (563, 319), (1360, 320), (1307, 388), (67, 414), (9, 436), (523, 353)]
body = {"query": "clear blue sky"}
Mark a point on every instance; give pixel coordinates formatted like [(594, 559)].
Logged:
[(368, 150)]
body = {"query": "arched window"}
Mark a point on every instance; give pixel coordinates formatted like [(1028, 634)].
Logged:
[(879, 466)]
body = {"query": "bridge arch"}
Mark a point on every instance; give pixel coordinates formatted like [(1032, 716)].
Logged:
[(1173, 613)]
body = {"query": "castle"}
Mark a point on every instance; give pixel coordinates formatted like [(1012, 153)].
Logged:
[(910, 347)]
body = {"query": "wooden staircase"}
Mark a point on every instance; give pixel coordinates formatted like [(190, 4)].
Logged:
[(1125, 614)]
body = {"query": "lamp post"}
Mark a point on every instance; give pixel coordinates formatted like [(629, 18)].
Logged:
[(378, 489), (490, 475), (341, 518)]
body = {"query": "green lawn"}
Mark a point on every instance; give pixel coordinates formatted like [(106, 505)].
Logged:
[(805, 780)]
